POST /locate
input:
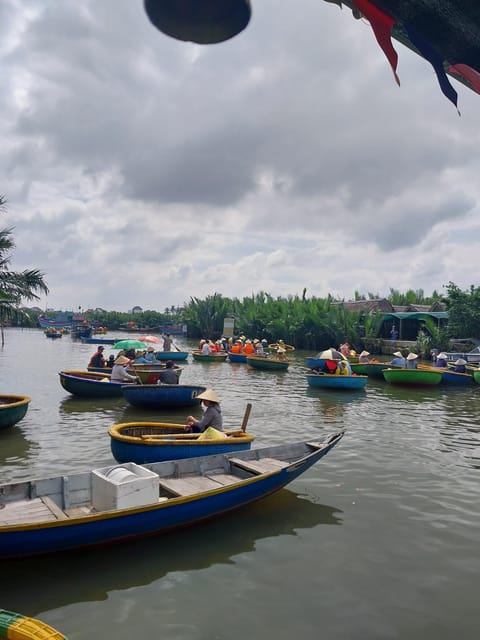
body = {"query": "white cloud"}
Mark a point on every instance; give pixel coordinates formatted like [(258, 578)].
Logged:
[(143, 170)]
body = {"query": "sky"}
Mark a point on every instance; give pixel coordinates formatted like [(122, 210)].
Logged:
[(140, 170)]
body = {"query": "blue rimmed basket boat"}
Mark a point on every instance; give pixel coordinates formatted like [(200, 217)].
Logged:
[(171, 355), (332, 381), (143, 442), (158, 396)]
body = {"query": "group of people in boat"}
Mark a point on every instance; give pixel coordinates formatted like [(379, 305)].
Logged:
[(240, 345), (123, 365)]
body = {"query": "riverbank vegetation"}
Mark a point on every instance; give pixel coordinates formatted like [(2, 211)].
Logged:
[(311, 323)]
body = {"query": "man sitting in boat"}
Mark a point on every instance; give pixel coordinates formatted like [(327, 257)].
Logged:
[(248, 349), (97, 360), (460, 366), (119, 373), (399, 360), (168, 375), (412, 361), (212, 416), (147, 357), (343, 368)]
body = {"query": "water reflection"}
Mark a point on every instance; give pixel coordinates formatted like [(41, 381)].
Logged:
[(90, 575), (15, 445), (72, 404)]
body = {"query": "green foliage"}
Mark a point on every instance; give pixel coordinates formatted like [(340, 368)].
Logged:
[(464, 311), (15, 286)]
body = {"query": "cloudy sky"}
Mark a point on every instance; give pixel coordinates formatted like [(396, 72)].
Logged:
[(141, 170)]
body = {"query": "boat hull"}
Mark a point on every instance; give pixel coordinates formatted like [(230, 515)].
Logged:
[(201, 357), (89, 384), (145, 442), (171, 355), (331, 381), (155, 396), (186, 509), (12, 409), (413, 377), (269, 364), (237, 357), (372, 370)]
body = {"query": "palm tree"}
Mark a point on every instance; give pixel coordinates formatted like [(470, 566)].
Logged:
[(15, 286)]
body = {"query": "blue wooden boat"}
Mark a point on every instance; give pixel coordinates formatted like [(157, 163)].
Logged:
[(12, 409), (237, 357), (143, 442), (157, 396), (88, 384), (332, 381), (171, 355), (110, 504)]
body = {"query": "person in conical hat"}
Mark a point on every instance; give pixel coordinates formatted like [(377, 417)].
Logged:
[(398, 360), (212, 416), (363, 357), (119, 373), (460, 366), (412, 361)]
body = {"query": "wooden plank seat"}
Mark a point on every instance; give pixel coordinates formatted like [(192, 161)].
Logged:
[(189, 485), (265, 465), (25, 511)]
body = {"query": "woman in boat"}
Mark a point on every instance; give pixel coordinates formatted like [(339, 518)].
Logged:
[(412, 361), (148, 357), (441, 361), (119, 373), (399, 360), (363, 357), (460, 366), (97, 360), (212, 416)]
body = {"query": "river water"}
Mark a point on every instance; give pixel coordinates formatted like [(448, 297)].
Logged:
[(378, 540)]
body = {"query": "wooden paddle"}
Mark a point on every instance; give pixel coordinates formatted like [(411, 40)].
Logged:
[(246, 416)]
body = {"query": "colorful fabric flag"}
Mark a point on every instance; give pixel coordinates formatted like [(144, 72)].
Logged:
[(382, 25), (470, 75)]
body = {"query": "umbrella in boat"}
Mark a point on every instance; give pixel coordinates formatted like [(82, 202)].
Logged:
[(150, 339), (129, 344), (331, 354)]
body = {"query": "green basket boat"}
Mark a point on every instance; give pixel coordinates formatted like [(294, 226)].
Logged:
[(370, 369), (272, 364), (413, 377), (213, 357)]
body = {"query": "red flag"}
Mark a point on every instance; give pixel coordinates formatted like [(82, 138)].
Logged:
[(471, 75), (382, 25)]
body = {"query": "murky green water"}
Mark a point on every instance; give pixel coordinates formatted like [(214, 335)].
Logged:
[(379, 540)]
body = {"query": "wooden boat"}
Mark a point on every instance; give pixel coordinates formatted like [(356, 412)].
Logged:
[(171, 355), (267, 363), (20, 627), (150, 374), (413, 377), (157, 396), (332, 381), (237, 357), (88, 384), (370, 369), (220, 356), (142, 442), (12, 409), (115, 503)]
